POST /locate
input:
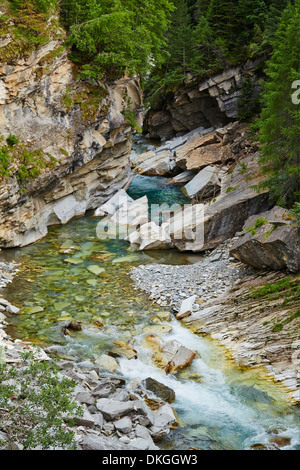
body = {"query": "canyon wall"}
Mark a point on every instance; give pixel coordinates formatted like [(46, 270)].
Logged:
[(77, 124), (208, 103)]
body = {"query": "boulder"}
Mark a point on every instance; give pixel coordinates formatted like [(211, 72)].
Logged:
[(107, 362), (203, 227), (150, 236), (119, 199), (183, 177), (114, 409), (270, 242), (170, 355), (124, 425), (183, 153), (125, 350), (177, 355), (159, 164), (132, 213), (205, 184), (162, 391), (142, 158), (181, 227), (212, 154), (164, 419), (186, 307)]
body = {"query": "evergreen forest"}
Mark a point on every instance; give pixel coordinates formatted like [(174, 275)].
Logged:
[(166, 42)]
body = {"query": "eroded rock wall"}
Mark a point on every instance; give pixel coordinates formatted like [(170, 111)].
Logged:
[(79, 124), (209, 103)]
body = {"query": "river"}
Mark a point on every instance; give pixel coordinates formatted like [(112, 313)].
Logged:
[(219, 406)]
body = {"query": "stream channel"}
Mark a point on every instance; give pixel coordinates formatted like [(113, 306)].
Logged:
[(219, 406)]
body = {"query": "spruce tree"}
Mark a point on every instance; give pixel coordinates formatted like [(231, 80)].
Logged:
[(180, 38), (113, 37), (280, 116)]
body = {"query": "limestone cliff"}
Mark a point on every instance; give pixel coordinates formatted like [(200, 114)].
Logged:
[(77, 125), (209, 103)]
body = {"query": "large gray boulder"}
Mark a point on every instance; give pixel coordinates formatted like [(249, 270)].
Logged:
[(203, 227), (205, 184), (271, 241), (114, 409), (154, 163)]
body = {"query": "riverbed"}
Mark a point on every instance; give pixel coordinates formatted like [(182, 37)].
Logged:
[(72, 275)]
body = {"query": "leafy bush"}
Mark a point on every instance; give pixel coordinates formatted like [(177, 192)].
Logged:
[(111, 38), (35, 404), (12, 140)]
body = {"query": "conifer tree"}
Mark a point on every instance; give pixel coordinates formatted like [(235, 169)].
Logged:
[(180, 38), (112, 37), (280, 116)]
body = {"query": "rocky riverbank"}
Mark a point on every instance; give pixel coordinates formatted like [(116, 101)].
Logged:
[(253, 313), (117, 415), (7, 273)]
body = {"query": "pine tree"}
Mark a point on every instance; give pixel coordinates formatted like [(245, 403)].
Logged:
[(272, 20), (280, 117), (180, 38), (112, 37)]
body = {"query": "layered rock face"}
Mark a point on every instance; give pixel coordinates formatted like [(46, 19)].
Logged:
[(78, 124), (222, 170), (270, 241), (210, 103)]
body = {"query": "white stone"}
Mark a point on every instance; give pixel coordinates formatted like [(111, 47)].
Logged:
[(67, 208), (203, 182), (186, 307), (107, 362), (133, 214), (114, 203), (150, 236), (124, 425)]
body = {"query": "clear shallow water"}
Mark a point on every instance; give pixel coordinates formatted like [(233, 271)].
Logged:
[(219, 406)]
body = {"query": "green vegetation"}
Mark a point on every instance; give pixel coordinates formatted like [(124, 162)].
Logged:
[(113, 37), (280, 117), (295, 211), (16, 160), (36, 403), (290, 287), (260, 221), (288, 290), (127, 113), (208, 36), (170, 42), (27, 24), (231, 188), (89, 99)]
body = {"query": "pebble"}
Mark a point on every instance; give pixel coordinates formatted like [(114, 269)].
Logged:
[(7, 273), (169, 285)]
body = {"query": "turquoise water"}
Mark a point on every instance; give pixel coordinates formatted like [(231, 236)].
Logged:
[(219, 406)]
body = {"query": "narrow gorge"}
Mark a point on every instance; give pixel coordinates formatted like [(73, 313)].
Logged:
[(139, 249)]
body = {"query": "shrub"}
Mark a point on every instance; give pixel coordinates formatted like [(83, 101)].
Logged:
[(35, 403)]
